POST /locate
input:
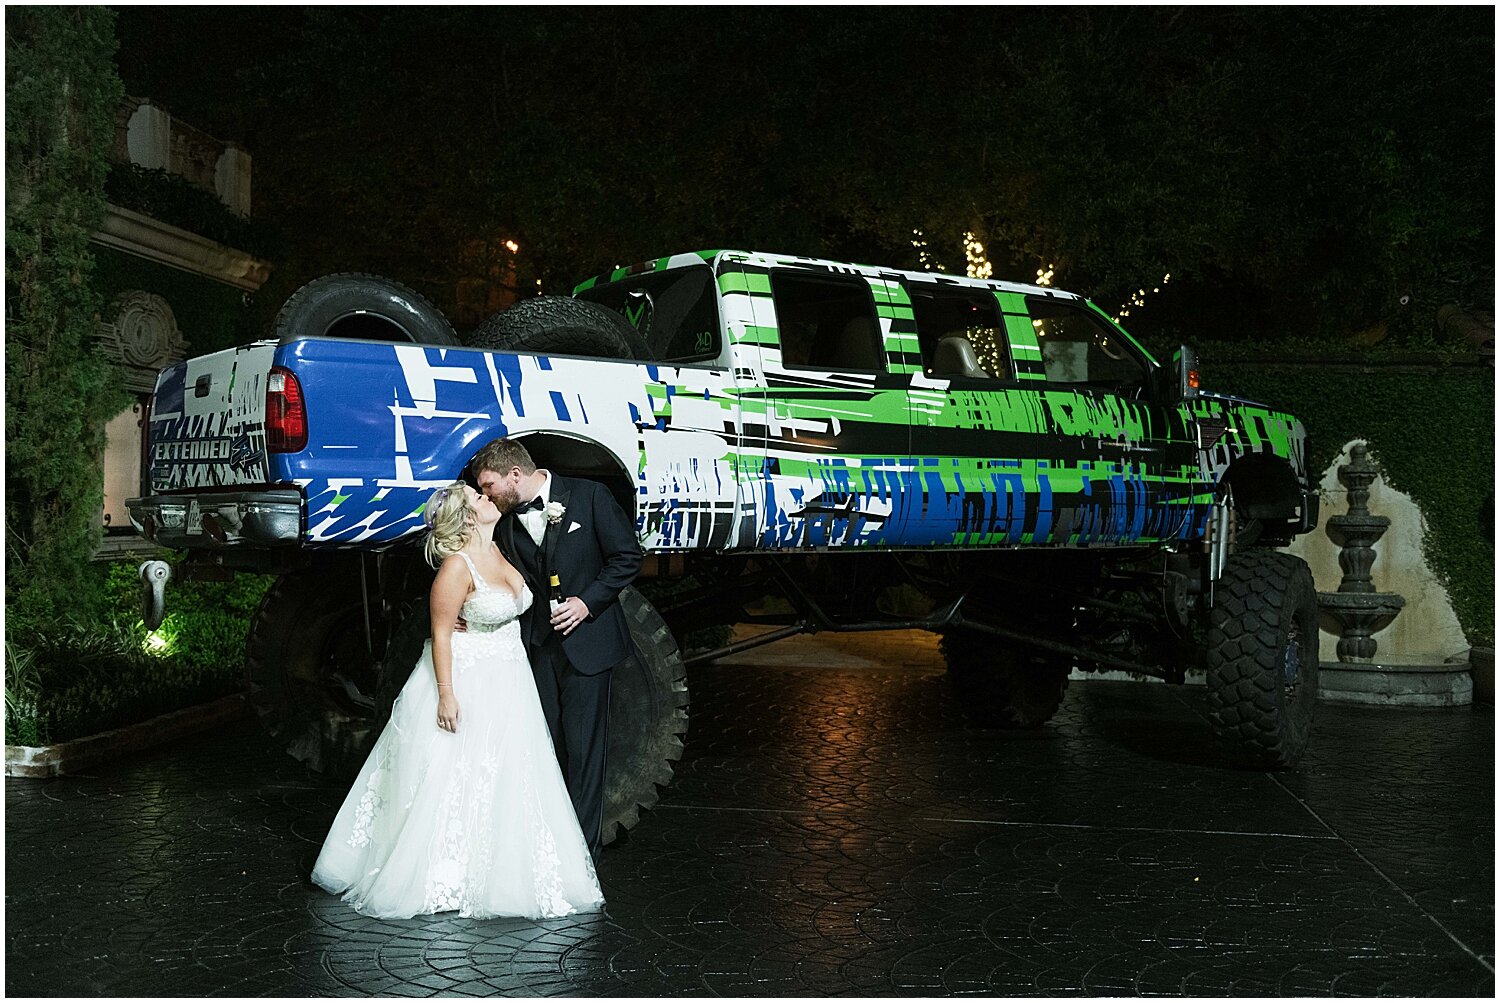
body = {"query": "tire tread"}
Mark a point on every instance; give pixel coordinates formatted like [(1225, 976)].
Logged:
[(1244, 652)]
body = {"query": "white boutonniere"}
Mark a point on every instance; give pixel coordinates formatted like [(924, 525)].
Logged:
[(554, 512)]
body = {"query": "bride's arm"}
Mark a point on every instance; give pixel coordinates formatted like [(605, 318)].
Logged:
[(449, 590)]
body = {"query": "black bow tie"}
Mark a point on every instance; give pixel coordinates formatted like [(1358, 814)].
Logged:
[(535, 505)]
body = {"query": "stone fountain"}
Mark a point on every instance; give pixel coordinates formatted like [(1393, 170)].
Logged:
[(1356, 612)]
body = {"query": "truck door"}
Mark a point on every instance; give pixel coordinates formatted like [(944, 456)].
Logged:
[(687, 494), (827, 419), (1026, 415)]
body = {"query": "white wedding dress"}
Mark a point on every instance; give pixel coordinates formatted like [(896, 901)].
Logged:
[(478, 820)]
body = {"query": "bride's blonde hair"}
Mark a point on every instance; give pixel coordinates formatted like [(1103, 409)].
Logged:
[(450, 522)]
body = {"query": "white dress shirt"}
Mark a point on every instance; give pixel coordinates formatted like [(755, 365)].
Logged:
[(535, 521)]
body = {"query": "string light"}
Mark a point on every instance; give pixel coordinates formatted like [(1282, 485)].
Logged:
[(512, 246), (1138, 298), (923, 258), (1044, 275), (978, 265)]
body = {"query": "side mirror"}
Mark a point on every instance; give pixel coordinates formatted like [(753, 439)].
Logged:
[(1185, 369)]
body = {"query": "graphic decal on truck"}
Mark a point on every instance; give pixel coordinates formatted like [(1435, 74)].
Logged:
[(208, 421), (758, 448)]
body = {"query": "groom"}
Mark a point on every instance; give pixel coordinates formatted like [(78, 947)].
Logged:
[(575, 529)]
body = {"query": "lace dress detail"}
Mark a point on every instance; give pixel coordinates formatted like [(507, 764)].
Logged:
[(478, 821)]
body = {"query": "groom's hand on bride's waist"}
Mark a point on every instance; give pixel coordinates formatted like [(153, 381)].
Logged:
[(569, 615), (460, 625)]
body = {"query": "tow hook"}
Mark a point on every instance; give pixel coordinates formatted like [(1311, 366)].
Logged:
[(154, 578)]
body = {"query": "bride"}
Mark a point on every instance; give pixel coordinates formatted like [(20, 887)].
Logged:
[(461, 804)]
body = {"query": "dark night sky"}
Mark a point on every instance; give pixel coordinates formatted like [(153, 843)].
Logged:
[(1270, 158)]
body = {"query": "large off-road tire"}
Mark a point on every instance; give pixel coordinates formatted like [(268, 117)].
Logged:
[(355, 305), (648, 717), (1004, 687), (312, 677), (1263, 658), (648, 703), (561, 325)]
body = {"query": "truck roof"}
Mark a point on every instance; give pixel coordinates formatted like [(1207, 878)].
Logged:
[(767, 259)]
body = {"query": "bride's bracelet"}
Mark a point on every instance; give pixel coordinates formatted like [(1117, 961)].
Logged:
[(445, 685)]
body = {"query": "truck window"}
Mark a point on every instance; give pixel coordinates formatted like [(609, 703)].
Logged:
[(1079, 349), (960, 333), (826, 322), (674, 311)]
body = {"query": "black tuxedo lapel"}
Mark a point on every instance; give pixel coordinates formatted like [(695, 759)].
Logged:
[(554, 530), (507, 539)]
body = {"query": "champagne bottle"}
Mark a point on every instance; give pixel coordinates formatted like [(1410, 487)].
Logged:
[(555, 592)]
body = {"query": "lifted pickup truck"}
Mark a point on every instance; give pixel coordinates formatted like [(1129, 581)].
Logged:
[(878, 449)]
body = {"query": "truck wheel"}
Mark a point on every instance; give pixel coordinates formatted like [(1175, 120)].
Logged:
[(1004, 687), (1263, 658), (648, 717), (648, 701), (312, 678), (355, 305), (561, 325)]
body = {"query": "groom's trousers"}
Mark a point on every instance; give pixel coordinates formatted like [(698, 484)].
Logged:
[(577, 710)]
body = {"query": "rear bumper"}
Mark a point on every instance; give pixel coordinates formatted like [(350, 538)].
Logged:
[(219, 521)]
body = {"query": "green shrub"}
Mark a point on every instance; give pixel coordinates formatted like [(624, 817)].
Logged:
[(69, 678), (22, 688)]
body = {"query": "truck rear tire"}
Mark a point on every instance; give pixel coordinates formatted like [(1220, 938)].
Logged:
[(356, 305), (1004, 687), (561, 325), (1263, 659), (312, 678), (648, 703)]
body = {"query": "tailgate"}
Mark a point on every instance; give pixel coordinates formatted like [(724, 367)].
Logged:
[(207, 424)]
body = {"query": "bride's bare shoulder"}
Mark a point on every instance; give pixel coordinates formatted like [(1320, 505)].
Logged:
[(453, 575)]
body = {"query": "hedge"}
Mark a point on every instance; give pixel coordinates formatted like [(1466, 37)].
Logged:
[(1431, 431)]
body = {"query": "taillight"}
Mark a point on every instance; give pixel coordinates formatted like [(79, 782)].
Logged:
[(286, 413)]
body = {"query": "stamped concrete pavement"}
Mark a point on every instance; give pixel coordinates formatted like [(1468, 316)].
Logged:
[(836, 827)]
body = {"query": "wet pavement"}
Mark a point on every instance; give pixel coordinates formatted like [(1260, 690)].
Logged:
[(836, 827)]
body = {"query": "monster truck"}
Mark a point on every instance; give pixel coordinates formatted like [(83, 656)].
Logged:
[(869, 448)]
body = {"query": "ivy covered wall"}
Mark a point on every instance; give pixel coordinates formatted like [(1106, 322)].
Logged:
[(1431, 429), (61, 95), (211, 315)]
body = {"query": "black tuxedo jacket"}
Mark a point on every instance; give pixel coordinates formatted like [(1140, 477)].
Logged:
[(594, 550)]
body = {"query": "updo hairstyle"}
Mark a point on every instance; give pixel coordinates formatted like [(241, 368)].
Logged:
[(450, 522)]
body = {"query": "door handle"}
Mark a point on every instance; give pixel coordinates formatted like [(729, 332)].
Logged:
[(1126, 447)]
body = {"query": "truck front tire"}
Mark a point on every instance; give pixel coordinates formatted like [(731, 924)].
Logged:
[(1263, 659)]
